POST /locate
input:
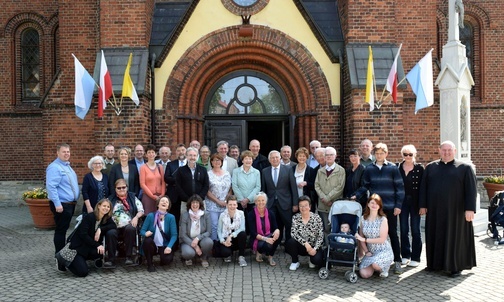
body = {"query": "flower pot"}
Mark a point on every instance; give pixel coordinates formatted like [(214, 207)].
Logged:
[(491, 188), (41, 213)]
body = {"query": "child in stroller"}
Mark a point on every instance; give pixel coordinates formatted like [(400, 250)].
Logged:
[(345, 230), (341, 243)]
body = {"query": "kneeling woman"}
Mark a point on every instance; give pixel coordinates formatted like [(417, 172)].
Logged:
[(195, 232), (231, 232), (307, 236), (160, 233), (373, 235), (263, 229), (88, 237)]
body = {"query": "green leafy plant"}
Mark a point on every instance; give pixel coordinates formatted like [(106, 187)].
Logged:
[(36, 193), (494, 179)]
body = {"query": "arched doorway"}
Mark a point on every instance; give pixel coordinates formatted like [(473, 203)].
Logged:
[(246, 105)]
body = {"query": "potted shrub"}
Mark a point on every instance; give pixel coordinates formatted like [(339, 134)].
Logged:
[(38, 203), (493, 184)]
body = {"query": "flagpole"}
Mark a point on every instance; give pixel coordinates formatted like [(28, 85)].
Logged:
[(108, 100)]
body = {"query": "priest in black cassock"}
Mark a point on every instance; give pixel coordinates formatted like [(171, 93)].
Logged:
[(448, 197)]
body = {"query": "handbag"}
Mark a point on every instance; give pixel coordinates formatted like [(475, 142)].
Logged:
[(66, 255)]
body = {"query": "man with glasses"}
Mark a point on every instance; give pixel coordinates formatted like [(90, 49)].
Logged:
[(383, 178), (312, 160), (127, 211), (329, 185)]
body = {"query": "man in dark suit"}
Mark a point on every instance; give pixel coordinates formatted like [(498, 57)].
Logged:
[(278, 182), (192, 178), (139, 159), (169, 177)]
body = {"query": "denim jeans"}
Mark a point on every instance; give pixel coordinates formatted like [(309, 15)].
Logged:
[(409, 215)]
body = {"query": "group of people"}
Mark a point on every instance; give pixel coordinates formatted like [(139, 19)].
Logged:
[(257, 201)]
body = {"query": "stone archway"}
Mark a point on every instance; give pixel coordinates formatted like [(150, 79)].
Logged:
[(269, 51)]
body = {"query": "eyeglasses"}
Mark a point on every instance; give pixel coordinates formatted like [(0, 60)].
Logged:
[(97, 164), (407, 154), (121, 188)]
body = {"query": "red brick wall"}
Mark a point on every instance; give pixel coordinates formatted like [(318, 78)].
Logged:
[(32, 134)]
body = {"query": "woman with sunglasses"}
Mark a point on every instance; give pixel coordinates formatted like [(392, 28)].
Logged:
[(411, 173)]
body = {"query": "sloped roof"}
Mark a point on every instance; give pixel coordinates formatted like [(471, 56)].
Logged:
[(168, 21), (117, 59), (321, 15), (383, 58), (324, 20)]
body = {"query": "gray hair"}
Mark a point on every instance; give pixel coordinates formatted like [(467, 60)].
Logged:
[(330, 149), (315, 142), (93, 159), (261, 194), (222, 143), (273, 151), (191, 149), (319, 150)]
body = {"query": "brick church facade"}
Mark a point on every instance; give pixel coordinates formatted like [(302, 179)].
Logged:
[(293, 74)]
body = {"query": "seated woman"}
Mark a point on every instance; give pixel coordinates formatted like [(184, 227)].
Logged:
[(195, 232), (126, 211), (307, 236), (160, 233), (263, 229), (373, 235), (88, 237), (231, 232)]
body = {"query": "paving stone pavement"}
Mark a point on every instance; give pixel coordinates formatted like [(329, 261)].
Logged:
[(28, 274)]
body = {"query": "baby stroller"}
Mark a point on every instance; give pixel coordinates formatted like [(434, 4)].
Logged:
[(496, 216), (341, 248)]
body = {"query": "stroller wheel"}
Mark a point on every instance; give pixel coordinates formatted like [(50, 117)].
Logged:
[(323, 273), (352, 277)]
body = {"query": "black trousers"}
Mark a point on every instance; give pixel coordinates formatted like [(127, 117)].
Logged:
[(392, 232), (150, 249), (283, 219), (79, 266), (267, 249), (127, 233), (296, 249), (62, 221), (237, 243)]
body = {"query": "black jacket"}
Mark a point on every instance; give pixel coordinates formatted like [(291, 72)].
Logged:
[(133, 179), (186, 186), (83, 238)]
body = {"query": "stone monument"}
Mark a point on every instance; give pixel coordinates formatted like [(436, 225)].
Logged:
[(455, 82)]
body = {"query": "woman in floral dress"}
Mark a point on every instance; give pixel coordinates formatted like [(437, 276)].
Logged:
[(373, 237), (220, 186)]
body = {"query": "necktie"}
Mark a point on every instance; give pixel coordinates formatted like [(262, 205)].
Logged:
[(275, 175)]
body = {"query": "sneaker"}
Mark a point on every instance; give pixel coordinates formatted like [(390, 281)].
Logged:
[(405, 261), (188, 262), (241, 261), (204, 263), (397, 268), (109, 264), (414, 263), (227, 259), (128, 261), (294, 266), (384, 274), (60, 268), (311, 265)]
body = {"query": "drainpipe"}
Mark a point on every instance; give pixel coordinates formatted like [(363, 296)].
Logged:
[(342, 113), (153, 100)]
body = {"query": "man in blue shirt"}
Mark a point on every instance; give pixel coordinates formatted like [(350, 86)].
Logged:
[(63, 190)]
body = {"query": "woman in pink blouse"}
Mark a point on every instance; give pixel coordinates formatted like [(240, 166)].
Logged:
[(151, 181)]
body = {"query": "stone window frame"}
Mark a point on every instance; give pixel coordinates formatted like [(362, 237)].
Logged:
[(244, 11)]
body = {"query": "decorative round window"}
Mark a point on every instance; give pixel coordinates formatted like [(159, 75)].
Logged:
[(244, 7)]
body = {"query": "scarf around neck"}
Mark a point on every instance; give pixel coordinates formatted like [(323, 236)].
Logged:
[(227, 226), (157, 218), (260, 231)]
